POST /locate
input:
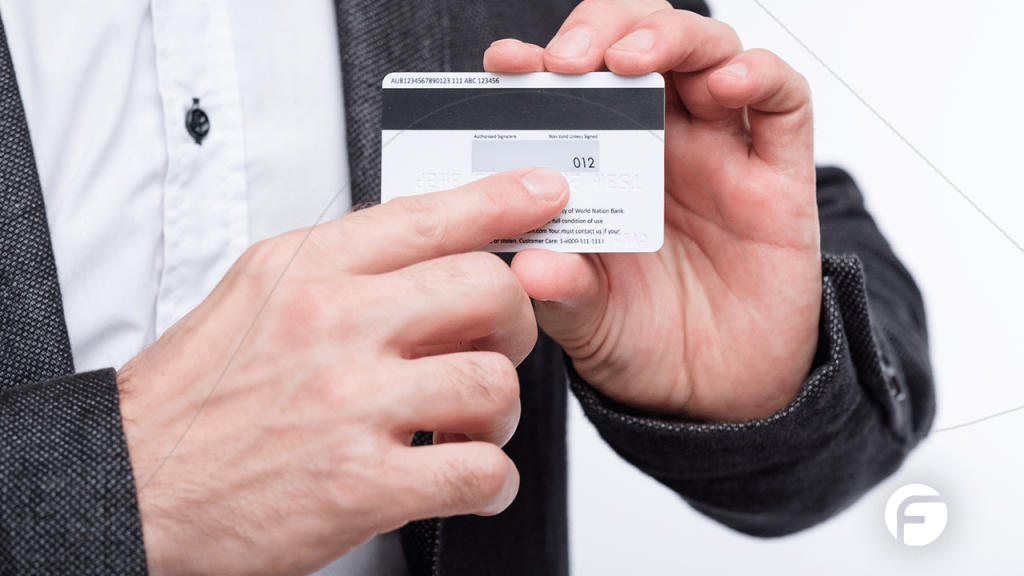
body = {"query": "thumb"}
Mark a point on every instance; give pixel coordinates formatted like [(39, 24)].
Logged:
[(570, 296)]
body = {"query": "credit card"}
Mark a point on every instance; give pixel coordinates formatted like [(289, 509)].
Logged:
[(604, 132)]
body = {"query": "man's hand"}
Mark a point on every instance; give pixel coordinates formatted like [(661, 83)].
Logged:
[(722, 323), (300, 392)]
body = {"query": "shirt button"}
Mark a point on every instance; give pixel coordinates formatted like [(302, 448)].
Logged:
[(197, 122)]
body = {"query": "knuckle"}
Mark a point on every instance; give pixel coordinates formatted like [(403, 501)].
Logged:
[(493, 283), (428, 220), (351, 227), (494, 188), (440, 274), (259, 267), (733, 35), (261, 256), (727, 30), (475, 479), (715, 31), (489, 380), (491, 471), (490, 266), (766, 59), (501, 381), (493, 275), (354, 491)]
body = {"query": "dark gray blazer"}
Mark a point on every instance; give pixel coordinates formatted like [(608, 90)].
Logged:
[(67, 496)]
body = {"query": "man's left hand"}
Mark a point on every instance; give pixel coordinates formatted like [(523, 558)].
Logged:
[(722, 323)]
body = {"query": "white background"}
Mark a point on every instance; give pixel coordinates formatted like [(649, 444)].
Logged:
[(948, 76)]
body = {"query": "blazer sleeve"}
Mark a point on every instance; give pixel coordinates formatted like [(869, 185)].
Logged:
[(66, 485), (868, 401)]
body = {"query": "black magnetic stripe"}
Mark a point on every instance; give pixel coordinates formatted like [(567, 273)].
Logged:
[(524, 109)]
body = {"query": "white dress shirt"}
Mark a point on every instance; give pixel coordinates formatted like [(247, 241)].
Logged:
[(144, 220)]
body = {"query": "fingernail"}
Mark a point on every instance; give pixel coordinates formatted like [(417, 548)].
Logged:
[(545, 183), (572, 44), (738, 70), (639, 41)]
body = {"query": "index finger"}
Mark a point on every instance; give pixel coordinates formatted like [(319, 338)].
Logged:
[(579, 45), (593, 26), (673, 40), (412, 229), (679, 41)]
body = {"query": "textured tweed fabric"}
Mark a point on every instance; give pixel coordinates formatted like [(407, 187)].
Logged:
[(33, 339), (421, 539), (376, 37), (67, 495)]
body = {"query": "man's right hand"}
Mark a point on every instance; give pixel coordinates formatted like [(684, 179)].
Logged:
[(300, 392)]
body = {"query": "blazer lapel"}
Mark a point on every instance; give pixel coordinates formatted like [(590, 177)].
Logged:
[(34, 342), (377, 37)]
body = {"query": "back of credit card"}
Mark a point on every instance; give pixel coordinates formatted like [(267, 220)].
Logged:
[(604, 132)]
